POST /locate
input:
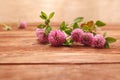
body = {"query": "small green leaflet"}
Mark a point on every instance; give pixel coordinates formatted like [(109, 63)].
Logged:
[(75, 25), (110, 39), (41, 26), (43, 15), (100, 23), (47, 30), (51, 15), (68, 43), (106, 45), (68, 31), (78, 19), (63, 26)]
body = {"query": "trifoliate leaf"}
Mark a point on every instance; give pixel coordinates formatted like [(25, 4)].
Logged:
[(110, 39), (78, 19), (51, 15), (100, 23), (75, 25), (43, 15), (47, 30)]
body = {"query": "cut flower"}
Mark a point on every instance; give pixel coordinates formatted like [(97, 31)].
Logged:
[(99, 41), (42, 37), (87, 39), (22, 25), (76, 35), (56, 38)]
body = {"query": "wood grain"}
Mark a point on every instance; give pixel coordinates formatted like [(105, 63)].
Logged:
[(60, 72), (23, 58), (21, 46)]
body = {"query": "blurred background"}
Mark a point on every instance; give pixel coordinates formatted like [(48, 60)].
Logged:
[(14, 10)]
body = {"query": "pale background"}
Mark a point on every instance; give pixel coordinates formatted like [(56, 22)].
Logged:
[(29, 10)]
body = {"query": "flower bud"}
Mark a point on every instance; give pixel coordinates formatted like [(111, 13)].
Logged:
[(22, 25)]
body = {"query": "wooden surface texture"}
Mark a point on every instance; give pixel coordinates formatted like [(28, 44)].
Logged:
[(23, 58)]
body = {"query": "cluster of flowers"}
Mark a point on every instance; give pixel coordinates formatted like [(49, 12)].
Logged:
[(57, 38), (85, 34)]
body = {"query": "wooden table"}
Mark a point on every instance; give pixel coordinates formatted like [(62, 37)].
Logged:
[(23, 58)]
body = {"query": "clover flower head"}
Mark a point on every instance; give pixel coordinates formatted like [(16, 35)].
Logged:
[(42, 37), (22, 25), (87, 39), (56, 38), (99, 41), (76, 35)]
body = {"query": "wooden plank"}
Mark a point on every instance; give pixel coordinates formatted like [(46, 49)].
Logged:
[(60, 72), (21, 46)]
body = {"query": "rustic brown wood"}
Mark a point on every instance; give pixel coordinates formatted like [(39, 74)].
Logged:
[(60, 72), (22, 57)]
